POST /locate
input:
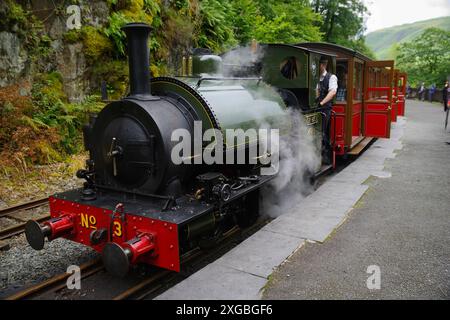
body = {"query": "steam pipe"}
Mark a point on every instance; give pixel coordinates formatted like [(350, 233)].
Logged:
[(138, 59)]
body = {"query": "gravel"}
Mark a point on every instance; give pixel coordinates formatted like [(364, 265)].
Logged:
[(23, 266), (6, 222)]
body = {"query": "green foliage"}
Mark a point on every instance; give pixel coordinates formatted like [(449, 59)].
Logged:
[(427, 57), (147, 11), (116, 73), (72, 36), (229, 22), (245, 14), (343, 23), (293, 22), (383, 42), (13, 17), (342, 19), (114, 31), (95, 43), (51, 110), (215, 25)]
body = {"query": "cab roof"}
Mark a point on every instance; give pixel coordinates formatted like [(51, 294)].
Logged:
[(334, 48)]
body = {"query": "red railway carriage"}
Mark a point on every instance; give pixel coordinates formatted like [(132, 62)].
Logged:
[(365, 103)]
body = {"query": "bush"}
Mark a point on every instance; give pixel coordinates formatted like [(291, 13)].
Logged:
[(41, 128)]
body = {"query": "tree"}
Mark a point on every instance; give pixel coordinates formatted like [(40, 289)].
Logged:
[(245, 15), (224, 23), (292, 21), (343, 22), (216, 25), (427, 57)]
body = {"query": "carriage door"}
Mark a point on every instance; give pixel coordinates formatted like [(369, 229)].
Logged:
[(395, 98), (402, 94), (378, 81)]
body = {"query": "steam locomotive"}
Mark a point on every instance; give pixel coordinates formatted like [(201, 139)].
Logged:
[(139, 205)]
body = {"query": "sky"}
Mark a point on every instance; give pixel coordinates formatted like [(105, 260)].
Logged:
[(388, 13)]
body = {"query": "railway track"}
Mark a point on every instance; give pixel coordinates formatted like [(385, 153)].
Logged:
[(150, 286), (20, 227), (152, 283), (57, 282), (155, 282), (193, 260), (24, 206)]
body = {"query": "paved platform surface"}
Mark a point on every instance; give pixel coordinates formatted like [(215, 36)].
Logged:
[(243, 273), (401, 225)]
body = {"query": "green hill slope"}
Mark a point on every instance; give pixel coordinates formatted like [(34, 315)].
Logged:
[(383, 41)]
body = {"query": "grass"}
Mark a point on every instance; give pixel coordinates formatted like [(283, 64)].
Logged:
[(20, 183)]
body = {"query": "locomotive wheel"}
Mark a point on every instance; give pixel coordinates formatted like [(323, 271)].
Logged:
[(248, 217), (207, 243)]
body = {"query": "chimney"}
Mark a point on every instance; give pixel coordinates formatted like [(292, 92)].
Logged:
[(138, 59)]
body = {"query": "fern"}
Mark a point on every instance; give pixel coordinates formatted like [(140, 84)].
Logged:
[(114, 31)]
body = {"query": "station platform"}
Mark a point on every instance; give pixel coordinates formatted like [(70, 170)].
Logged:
[(390, 208)]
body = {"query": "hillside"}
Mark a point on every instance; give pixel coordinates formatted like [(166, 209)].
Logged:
[(382, 41)]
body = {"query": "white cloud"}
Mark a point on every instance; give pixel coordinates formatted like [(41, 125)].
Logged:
[(388, 13)]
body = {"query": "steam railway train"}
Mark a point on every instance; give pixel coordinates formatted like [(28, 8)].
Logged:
[(138, 206)]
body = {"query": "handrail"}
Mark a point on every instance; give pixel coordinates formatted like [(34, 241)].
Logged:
[(225, 79), (333, 116)]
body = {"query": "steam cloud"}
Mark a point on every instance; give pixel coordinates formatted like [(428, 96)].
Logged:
[(298, 158)]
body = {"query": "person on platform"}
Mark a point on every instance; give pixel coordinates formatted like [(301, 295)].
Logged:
[(422, 92), (408, 90), (325, 92), (431, 92), (445, 95)]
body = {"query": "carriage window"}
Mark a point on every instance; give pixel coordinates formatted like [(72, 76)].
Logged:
[(290, 68), (358, 82), (342, 75)]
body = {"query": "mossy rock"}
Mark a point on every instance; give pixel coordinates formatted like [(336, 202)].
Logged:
[(73, 36), (95, 43)]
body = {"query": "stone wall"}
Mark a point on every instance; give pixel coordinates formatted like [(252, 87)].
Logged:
[(13, 58), (74, 54), (66, 58)]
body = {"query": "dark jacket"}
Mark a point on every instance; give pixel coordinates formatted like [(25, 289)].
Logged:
[(324, 85), (445, 93)]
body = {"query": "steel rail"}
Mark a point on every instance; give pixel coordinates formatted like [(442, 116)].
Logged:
[(23, 206), (57, 282), (154, 282), (18, 228)]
